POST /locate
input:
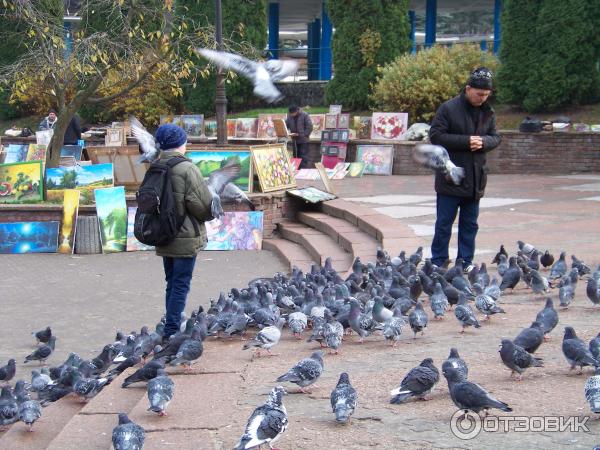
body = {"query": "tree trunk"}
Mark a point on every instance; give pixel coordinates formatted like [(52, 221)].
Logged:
[(58, 138)]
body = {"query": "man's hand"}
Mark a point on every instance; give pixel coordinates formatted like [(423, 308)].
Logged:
[(476, 143)]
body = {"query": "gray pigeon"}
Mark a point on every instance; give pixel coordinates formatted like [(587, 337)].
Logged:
[(42, 336), (512, 276), (190, 351), (593, 291), (297, 321), (362, 324), (547, 317), (130, 361), (539, 284), (160, 391), (418, 319), (566, 293), (576, 352), (145, 373), (417, 383), (454, 361), (438, 302), (333, 332), (266, 338), (392, 329), (29, 412), (266, 423), (39, 381), (485, 304), (7, 372), (559, 268), (464, 314), (595, 347), (436, 157), (127, 435), (306, 372), (43, 352), (592, 391), (87, 387), (343, 399), (502, 265), (470, 396), (493, 289), (9, 410), (530, 338), (581, 267), (526, 249), (517, 359)]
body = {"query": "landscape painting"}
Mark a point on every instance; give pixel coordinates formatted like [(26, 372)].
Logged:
[(210, 160), (133, 245), (83, 178), (246, 128), (112, 218), (311, 194), (69, 221), (389, 126), (193, 124), (29, 237), (72, 150), (210, 128), (378, 159), (272, 164), (21, 182), (14, 153), (266, 127), (235, 231)]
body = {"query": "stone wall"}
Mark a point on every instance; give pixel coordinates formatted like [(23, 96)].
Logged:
[(303, 93)]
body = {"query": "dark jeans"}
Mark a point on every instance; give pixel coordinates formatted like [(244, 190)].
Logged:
[(178, 275), (302, 152), (447, 207)]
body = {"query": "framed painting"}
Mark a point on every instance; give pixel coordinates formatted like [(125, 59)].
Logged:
[(69, 221), (22, 182), (311, 194), (296, 163), (231, 126), (115, 137), (246, 128), (235, 231), (362, 125), (43, 137), (281, 129), (341, 170), (272, 164), (166, 118), (112, 218), (72, 150), (325, 135), (331, 120), (209, 161), (133, 245), (29, 237), (15, 153), (193, 124), (343, 121), (266, 127), (36, 152), (335, 109), (210, 129), (83, 178), (344, 135), (318, 121), (307, 174), (389, 126), (124, 159), (378, 159), (325, 178), (335, 135)]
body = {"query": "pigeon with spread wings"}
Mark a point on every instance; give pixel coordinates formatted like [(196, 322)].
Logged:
[(262, 74)]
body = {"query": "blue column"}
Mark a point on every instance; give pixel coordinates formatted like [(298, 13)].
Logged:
[(309, 51), (68, 26), (497, 25), (316, 45), (483, 45), (430, 22), (413, 28), (274, 30), (325, 60)]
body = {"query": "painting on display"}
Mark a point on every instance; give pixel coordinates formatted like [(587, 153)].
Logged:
[(340, 171), (343, 121), (378, 159), (43, 137), (235, 231), (318, 121), (335, 109), (272, 164), (133, 245), (311, 194), (127, 171), (210, 128), (115, 137), (193, 124), (296, 163), (331, 120), (21, 182), (362, 125), (14, 153), (82, 178), (246, 128), (29, 237), (389, 126), (69, 221), (210, 160), (266, 127), (307, 174), (72, 150), (356, 169), (231, 125), (112, 218), (36, 152)]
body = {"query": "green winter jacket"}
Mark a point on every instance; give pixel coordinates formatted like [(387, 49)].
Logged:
[(192, 198)]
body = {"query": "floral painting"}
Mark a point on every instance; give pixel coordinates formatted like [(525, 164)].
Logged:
[(362, 125), (246, 128), (36, 152), (112, 218), (266, 128), (235, 231), (378, 159), (272, 164), (356, 169), (389, 126), (21, 182), (29, 237), (318, 121)]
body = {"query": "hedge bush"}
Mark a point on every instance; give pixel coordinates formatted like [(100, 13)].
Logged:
[(419, 84)]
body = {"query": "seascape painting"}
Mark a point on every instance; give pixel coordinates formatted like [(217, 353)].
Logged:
[(29, 237)]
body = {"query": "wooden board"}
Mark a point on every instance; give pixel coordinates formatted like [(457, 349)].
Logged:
[(126, 170)]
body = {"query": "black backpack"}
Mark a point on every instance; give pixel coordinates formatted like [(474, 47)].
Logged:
[(156, 220), (530, 125)]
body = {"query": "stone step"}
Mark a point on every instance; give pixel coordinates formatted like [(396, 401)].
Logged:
[(319, 245), (293, 254)]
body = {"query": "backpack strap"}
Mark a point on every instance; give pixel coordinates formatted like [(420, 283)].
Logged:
[(172, 162)]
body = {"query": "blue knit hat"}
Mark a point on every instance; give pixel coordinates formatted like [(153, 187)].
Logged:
[(169, 136)]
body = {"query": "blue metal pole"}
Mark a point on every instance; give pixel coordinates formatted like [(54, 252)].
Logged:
[(483, 45), (413, 28), (316, 35), (274, 30), (497, 25), (430, 22), (325, 56), (68, 38)]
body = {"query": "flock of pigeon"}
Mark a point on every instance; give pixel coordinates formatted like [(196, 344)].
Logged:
[(376, 298)]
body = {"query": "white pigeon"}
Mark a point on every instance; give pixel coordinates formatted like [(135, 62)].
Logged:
[(262, 74), (436, 157), (147, 142)]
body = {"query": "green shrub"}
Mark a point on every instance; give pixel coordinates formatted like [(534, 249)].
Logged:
[(419, 84)]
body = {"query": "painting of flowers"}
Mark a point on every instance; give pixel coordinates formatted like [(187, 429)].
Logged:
[(389, 126), (318, 121), (266, 128), (272, 164), (378, 159), (246, 128)]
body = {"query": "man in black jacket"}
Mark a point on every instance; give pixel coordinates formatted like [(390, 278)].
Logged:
[(300, 126), (466, 127)]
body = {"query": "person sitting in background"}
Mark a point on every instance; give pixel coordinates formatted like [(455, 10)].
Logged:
[(48, 122), (300, 126), (73, 132)]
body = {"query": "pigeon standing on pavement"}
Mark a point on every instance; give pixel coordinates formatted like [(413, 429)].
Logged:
[(526, 249), (576, 351), (9, 410), (417, 383), (29, 412), (464, 314), (438, 302), (145, 373), (43, 352), (306, 372), (566, 293), (392, 329), (39, 380), (418, 319), (547, 317), (87, 387), (516, 358), (266, 338), (266, 423), (297, 321), (333, 332), (42, 336), (547, 259), (470, 396), (127, 435), (581, 267), (530, 338), (512, 276), (595, 347), (8, 371), (160, 391), (502, 265), (559, 268), (343, 399), (454, 361), (502, 251), (592, 391), (190, 351), (484, 303), (593, 291)]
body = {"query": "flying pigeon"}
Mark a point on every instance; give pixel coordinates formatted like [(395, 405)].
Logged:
[(530, 338), (418, 319), (266, 338), (8, 371), (592, 391), (160, 391), (42, 336), (436, 157), (417, 383), (392, 329), (266, 424), (576, 352), (43, 352), (470, 396), (127, 435), (516, 358), (343, 399), (464, 314), (454, 361), (262, 74), (306, 372)]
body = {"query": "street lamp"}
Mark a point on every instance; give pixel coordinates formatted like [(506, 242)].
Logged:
[(220, 98)]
